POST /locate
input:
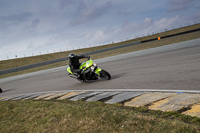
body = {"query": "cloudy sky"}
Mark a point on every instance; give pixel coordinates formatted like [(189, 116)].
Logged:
[(39, 26)]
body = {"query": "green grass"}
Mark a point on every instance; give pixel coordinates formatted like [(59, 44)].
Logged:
[(30, 60), (67, 116)]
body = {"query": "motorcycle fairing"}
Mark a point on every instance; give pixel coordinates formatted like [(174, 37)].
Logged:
[(69, 70)]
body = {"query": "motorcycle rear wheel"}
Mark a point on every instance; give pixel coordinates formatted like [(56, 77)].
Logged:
[(104, 74)]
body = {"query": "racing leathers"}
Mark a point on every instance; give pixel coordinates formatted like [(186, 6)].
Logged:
[(74, 65)]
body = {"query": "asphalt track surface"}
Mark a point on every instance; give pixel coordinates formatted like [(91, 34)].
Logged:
[(170, 67)]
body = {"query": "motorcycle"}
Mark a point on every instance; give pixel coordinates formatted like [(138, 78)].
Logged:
[(91, 72)]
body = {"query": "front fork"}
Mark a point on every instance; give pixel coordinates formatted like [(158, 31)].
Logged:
[(97, 71)]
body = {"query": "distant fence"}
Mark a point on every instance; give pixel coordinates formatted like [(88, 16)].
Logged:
[(16, 69)]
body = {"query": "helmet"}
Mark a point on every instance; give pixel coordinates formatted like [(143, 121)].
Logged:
[(71, 56)]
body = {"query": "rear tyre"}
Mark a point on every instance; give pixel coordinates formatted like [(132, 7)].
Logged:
[(104, 74)]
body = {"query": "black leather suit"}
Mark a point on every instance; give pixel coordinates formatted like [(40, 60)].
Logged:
[(74, 63)]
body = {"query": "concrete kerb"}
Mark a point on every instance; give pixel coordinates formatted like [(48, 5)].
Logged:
[(130, 90), (117, 90), (184, 101)]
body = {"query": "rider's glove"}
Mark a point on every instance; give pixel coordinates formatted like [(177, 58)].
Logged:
[(88, 58)]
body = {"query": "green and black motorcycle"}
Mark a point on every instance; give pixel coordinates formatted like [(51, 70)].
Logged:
[(91, 71)]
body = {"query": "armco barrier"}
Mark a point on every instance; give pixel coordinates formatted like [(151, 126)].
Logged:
[(16, 69), (181, 33)]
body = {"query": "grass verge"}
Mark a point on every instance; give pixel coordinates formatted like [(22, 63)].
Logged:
[(68, 116)]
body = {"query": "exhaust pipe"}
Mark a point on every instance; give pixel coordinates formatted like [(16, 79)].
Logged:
[(73, 76)]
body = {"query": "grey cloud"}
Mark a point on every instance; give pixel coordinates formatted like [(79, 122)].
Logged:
[(197, 5), (15, 18), (91, 13), (194, 18), (86, 11), (35, 23), (124, 11), (12, 20), (69, 3), (132, 29), (30, 46), (180, 5), (72, 7)]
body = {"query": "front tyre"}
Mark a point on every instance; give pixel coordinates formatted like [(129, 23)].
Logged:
[(104, 74)]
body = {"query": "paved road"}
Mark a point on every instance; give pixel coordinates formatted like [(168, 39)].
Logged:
[(171, 67)]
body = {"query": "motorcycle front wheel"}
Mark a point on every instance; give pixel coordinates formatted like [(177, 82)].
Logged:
[(104, 74)]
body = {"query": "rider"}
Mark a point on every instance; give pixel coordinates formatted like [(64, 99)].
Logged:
[(74, 64)]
